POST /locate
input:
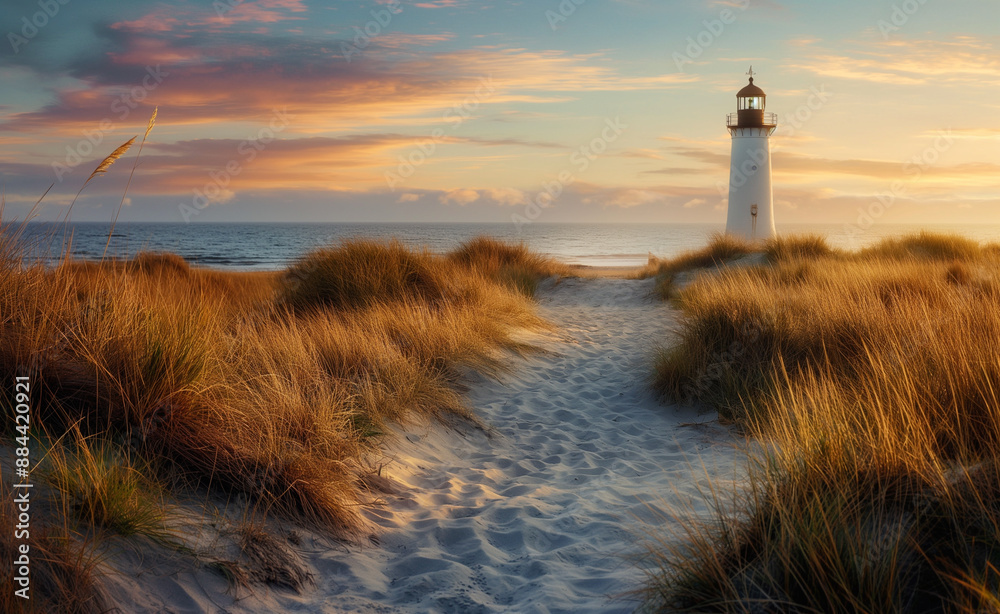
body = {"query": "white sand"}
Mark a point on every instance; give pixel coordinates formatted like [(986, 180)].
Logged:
[(539, 515)]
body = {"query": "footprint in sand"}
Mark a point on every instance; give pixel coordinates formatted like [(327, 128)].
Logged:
[(543, 514)]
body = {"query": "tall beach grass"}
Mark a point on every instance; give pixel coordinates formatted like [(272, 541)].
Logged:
[(152, 378), (275, 388), (870, 383)]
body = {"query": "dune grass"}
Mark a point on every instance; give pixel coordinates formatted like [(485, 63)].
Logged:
[(510, 263), (256, 383), (103, 491), (154, 376), (151, 378), (364, 273), (870, 382), (720, 250), (63, 569), (783, 249)]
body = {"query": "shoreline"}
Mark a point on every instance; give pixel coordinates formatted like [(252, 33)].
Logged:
[(586, 271), (606, 272)]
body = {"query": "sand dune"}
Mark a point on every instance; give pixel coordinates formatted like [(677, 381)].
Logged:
[(540, 512)]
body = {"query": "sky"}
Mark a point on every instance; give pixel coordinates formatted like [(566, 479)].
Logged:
[(489, 111)]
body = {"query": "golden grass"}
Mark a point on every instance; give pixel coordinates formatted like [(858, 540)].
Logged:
[(121, 203), (783, 249), (273, 386), (113, 157), (721, 249), (99, 488), (513, 264), (364, 273), (62, 570), (871, 383)]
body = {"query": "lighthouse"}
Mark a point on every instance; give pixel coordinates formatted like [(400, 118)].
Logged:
[(751, 204)]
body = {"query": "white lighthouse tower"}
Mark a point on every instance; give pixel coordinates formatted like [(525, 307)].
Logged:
[(751, 204)]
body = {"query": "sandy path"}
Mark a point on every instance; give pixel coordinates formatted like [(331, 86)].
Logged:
[(541, 515)]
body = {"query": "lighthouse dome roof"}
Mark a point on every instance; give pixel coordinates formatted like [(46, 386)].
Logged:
[(750, 91)]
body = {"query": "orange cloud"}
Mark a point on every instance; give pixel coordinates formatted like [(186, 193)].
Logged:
[(965, 60), (224, 83), (461, 196), (792, 165)]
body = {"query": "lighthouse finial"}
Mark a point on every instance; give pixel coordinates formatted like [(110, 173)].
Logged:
[(751, 73)]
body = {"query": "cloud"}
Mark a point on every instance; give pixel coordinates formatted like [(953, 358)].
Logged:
[(803, 41), (261, 11), (356, 162), (628, 197), (683, 170), (815, 168), (178, 168), (222, 73), (631, 197), (403, 40), (968, 133), (220, 197), (508, 197), (217, 16), (459, 197), (818, 167), (504, 197), (644, 153), (439, 4), (963, 60)]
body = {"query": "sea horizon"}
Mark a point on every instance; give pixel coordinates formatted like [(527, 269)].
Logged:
[(276, 245)]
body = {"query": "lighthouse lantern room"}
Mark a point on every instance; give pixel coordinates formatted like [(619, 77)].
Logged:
[(751, 204)]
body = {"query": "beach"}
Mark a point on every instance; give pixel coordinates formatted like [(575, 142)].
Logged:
[(381, 429), (544, 509), (454, 307)]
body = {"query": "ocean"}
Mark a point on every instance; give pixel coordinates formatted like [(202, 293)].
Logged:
[(275, 246)]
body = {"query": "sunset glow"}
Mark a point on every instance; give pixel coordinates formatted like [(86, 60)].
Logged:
[(456, 110)]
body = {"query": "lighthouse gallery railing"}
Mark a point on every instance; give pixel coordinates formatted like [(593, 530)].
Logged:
[(733, 120)]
